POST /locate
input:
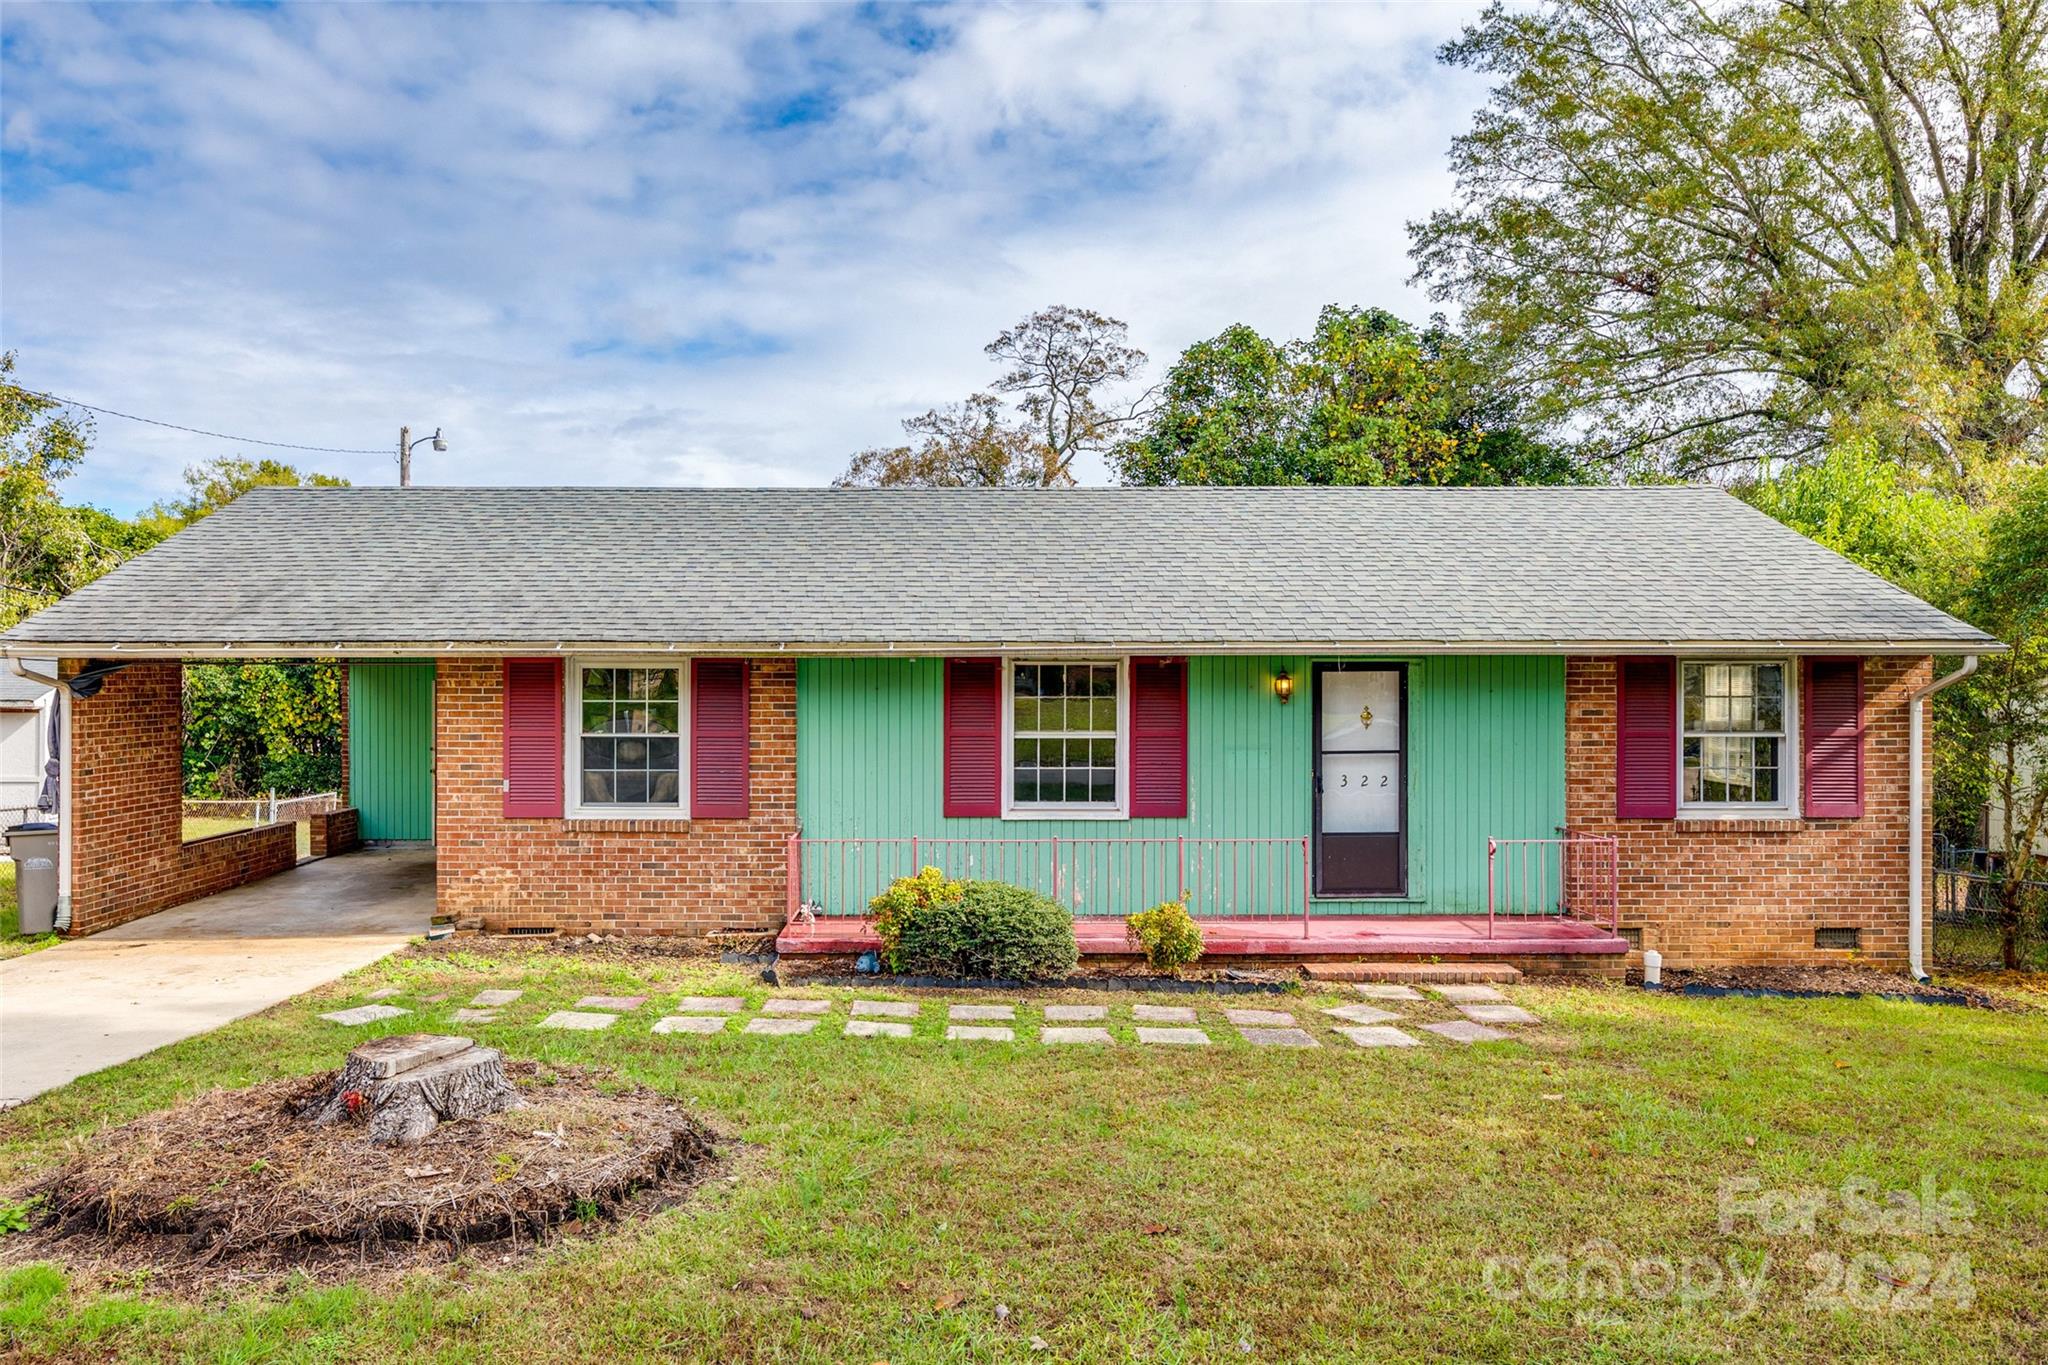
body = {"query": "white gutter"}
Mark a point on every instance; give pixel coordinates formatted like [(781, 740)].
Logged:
[(1916, 788)]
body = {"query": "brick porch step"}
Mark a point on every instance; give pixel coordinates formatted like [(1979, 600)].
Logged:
[(1412, 973)]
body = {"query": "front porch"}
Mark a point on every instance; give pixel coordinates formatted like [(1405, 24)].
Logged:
[(1386, 937)]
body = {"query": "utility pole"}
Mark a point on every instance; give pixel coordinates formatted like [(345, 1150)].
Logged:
[(405, 445)]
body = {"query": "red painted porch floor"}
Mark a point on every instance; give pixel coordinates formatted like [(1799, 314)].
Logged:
[(1325, 936)]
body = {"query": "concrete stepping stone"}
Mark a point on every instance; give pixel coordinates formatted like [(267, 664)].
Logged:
[(1164, 1014), (1468, 995), (1379, 1035), (1174, 1037), (383, 994), (981, 1012), (885, 1009), (1278, 1037), (710, 1004), (1075, 1014), (469, 1016), (792, 1004), (876, 1028), (578, 1019), (624, 1004), (1386, 990), (779, 1028), (1260, 1018), (1361, 1014), (1465, 1031), (692, 1023), (364, 1014), (490, 999), (1498, 1014), (1074, 1035), (980, 1033)]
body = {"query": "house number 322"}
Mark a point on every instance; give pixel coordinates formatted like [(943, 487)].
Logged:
[(1345, 780)]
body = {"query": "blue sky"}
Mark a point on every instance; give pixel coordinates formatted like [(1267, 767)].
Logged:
[(697, 246)]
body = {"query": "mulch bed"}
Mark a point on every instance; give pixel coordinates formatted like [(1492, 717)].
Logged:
[(1823, 981), (231, 1185)]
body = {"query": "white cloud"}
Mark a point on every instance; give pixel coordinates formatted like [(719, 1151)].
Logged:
[(581, 240)]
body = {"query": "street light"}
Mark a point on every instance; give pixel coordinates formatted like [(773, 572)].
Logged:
[(405, 445)]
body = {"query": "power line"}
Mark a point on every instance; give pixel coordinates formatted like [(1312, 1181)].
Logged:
[(197, 431)]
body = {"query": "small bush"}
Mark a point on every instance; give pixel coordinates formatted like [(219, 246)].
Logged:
[(905, 900), (991, 929), (1167, 935)]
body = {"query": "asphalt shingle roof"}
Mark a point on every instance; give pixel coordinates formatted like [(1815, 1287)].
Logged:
[(818, 569)]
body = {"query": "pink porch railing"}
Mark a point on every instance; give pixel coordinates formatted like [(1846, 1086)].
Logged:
[(1235, 878), (1576, 875)]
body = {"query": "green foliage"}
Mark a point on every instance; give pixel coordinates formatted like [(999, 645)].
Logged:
[(18, 1215), (260, 727), (906, 898), (1167, 935), (1707, 235), (1366, 399), (991, 929), (46, 548)]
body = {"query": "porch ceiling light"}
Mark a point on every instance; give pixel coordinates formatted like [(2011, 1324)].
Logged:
[(1283, 686)]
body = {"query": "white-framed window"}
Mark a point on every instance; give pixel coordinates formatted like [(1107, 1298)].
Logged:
[(1066, 748), (1735, 729), (627, 727)]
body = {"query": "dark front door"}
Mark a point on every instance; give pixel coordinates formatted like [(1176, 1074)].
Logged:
[(1361, 777)]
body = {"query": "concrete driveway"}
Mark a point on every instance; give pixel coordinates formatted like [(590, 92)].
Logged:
[(90, 1003)]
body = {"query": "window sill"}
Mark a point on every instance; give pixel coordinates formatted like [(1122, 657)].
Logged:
[(1758, 822), (626, 824), (1072, 813)]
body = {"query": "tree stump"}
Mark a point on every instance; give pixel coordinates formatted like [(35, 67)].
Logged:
[(410, 1083)]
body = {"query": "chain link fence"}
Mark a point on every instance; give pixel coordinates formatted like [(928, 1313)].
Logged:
[(1968, 894)]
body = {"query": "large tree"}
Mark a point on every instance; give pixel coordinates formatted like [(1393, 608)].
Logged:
[(46, 548), (1704, 235), (1069, 371), (1364, 399)]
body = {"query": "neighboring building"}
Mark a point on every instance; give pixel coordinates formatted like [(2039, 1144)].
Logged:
[(24, 738), (1337, 720)]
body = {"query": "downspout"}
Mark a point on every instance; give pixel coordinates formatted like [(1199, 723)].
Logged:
[(59, 697), (1916, 788)]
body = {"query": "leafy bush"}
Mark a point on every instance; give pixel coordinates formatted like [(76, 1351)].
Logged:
[(991, 929), (907, 898), (1167, 935)]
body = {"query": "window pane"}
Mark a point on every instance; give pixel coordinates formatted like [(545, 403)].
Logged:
[(632, 753), (597, 753), (662, 789), (1694, 689), (1102, 786), (1104, 679), (663, 753), (1766, 784), (1024, 786), (661, 717), (597, 682), (1716, 713), (667, 684), (630, 789), (1026, 680), (1102, 753), (1026, 717), (1105, 714), (1077, 679), (1052, 681), (1052, 714), (597, 718), (629, 718), (1770, 697), (1077, 785), (597, 787)]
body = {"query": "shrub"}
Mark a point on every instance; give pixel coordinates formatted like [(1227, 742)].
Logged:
[(1167, 935), (991, 929), (906, 898)]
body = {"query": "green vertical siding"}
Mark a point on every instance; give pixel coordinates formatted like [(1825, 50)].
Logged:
[(1485, 758), (391, 748)]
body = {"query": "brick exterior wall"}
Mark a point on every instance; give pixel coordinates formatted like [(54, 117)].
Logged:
[(606, 876), (333, 831), (1708, 892), (128, 855)]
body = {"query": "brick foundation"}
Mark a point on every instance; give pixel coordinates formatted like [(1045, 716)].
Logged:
[(606, 876), (128, 854), (333, 831), (1710, 892)]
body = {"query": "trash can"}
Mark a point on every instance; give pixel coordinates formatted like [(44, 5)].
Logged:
[(33, 846)]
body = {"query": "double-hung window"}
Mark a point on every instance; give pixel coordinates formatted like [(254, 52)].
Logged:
[(1066, 737), (1735, 719), (626, 728)]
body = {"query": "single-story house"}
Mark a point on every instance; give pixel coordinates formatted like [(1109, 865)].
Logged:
[(1568, 724)]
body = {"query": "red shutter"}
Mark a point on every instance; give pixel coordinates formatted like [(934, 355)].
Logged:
[(718, 739), (533, 739), (1646, 739), (1831, 764), (974, 737), (1159, 738)]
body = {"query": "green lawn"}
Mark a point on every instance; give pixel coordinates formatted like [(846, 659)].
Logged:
[(202, 826), (1172, 1205)]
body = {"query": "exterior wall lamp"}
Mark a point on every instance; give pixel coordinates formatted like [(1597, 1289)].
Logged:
[(1283, 686)]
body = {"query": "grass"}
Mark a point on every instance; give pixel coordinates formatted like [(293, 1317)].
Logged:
[(205, 826), (918, 1200), (12, 942)]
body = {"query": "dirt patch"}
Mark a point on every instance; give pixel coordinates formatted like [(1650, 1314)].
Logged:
[(1824, 981), (232, 1185)]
